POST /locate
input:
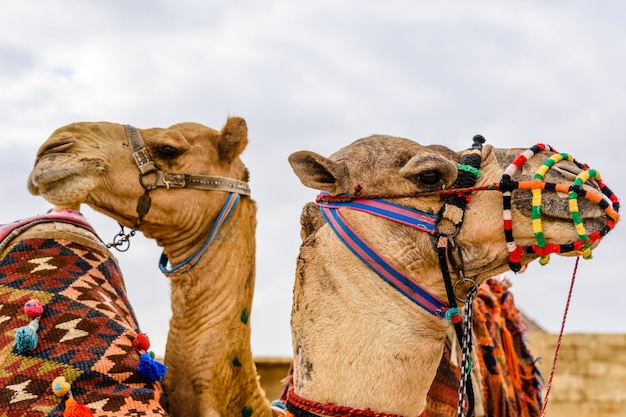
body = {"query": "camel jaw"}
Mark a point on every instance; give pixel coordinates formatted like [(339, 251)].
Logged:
[(65, 183)]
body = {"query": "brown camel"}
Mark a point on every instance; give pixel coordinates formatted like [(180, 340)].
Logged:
[(361, 346), (210, 367)]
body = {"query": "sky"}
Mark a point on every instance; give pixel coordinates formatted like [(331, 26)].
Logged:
[(317, 76)]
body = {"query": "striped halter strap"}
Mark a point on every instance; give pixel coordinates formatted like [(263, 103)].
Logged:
[(389, 273), (453, 211)]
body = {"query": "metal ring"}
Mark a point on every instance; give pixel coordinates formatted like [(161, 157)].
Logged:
[(464, 280)]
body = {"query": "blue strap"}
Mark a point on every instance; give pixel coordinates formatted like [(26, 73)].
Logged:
[(400, 214), (227, 209), (383, 269)]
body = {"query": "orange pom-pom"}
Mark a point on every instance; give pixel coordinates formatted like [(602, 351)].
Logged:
[(73, 409)]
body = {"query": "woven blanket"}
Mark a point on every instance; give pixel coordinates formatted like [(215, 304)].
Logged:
[(504, 372), (86, 331)]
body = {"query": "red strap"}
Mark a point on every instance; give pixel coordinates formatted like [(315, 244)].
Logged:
[(66, 215)]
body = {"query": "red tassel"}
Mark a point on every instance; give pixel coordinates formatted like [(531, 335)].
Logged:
[(73, 409)]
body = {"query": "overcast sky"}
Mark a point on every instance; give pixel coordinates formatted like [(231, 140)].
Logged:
[(318, 75)]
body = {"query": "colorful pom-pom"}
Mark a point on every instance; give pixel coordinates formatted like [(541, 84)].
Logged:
[(141, 342), (33, 308), (61, 388), (73, 409), (151, 370), (453, 315), (26, 337)]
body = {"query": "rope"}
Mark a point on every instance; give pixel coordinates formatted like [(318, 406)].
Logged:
[(301, 407), (558, 343), (357, 194), (466, 353)]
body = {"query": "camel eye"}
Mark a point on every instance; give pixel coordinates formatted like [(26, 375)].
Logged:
[(167, 152), (429, 177)]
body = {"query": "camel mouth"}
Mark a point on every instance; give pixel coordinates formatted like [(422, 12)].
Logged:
[(556, 205), (45, 181), (54, 170), (48, 178)]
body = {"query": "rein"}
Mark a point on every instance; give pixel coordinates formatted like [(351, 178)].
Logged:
[(147, 167), (190, 262)]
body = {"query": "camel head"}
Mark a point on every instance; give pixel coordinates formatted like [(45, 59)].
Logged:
[(416, 176), (386, 210), (93, 163)]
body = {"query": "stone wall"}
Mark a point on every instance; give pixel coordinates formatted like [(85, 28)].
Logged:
[(590, 378)]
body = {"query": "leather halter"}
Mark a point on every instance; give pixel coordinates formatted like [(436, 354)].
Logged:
[(147, 167), (174, 180)]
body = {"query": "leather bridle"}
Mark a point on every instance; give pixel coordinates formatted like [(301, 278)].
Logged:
[(147, 168)]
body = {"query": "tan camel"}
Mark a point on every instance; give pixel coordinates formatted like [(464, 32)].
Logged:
[(211, 370), (360, 347)]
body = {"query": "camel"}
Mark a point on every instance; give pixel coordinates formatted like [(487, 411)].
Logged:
[(186, 187), (368, 346)]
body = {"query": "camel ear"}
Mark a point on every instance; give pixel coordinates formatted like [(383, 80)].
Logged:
[(233, 140), (318, 172)]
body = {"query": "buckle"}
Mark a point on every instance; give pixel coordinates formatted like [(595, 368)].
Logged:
[(143, 161), (168, 180)]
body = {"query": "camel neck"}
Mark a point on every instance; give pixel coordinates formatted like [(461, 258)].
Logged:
[(208, 350), (354, 336), (191, 261)]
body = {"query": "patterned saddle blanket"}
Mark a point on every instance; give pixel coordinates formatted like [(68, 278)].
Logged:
[(86, 330), (506, 380)]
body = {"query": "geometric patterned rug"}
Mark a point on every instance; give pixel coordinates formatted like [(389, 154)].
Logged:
[(85, 335)]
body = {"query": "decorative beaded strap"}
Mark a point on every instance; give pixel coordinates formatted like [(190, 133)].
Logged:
[(536, 185)]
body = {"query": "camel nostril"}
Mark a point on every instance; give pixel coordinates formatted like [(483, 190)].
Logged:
[(59, 147)]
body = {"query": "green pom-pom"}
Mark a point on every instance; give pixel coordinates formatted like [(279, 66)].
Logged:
[(26, 337)]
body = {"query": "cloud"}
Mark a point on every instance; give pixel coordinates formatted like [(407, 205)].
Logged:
[(317, 76)]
